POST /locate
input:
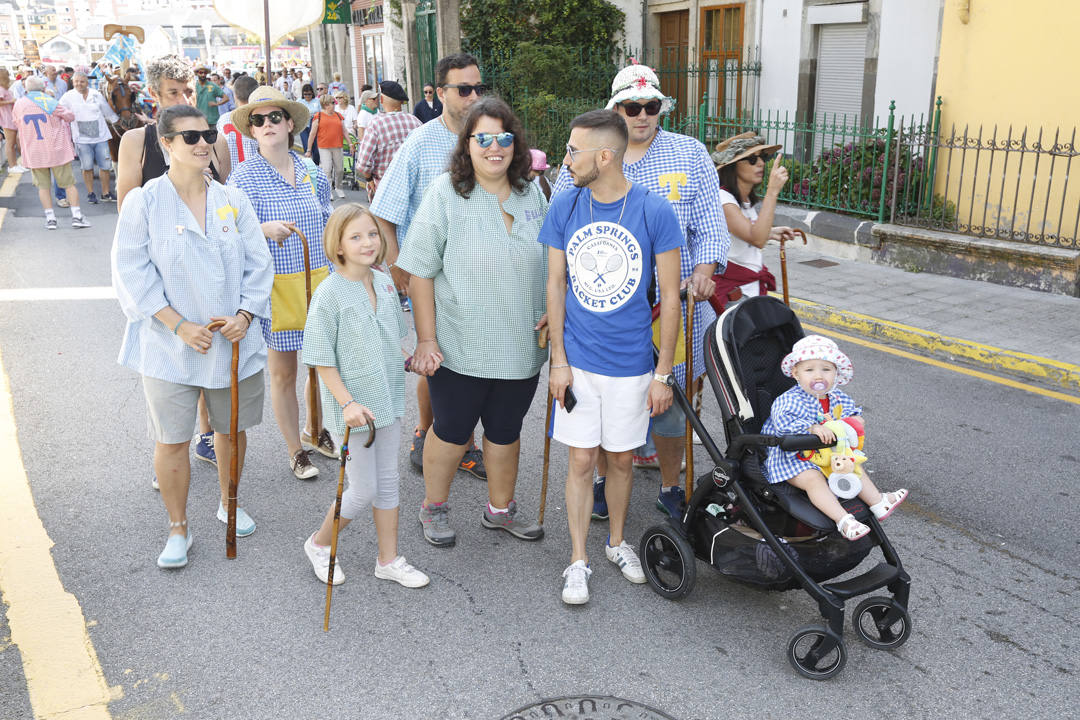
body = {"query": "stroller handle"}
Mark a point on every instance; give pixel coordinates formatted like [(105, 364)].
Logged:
[(787, 442)]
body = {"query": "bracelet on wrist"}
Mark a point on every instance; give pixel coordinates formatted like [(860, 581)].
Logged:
[(428, 340), (559, 367), (176, 328), (351, 401)]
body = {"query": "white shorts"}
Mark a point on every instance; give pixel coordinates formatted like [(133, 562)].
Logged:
[(611, 412)]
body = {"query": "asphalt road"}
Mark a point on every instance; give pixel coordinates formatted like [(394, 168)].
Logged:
[(988, 536)]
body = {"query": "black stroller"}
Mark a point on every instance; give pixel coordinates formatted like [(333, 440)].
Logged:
[(769, 535)]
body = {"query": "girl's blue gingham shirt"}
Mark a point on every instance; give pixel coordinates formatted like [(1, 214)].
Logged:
[(161, 258), (307, 205), (678, 167), (792, 414)]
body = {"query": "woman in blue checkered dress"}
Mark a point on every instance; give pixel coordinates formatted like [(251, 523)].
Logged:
[(285, 190)]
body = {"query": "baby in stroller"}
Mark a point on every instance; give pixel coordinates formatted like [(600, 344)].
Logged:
[(819, 367)]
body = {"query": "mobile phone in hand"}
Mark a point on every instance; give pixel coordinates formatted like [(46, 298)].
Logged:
[(569, 401)]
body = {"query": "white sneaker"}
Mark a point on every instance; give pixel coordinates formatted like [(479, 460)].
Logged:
[(319, 556), (16, 169), (624, 556), (302, 467), (576, 588), (401, 572), (340, 193)]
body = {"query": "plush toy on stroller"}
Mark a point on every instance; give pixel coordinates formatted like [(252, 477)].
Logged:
[(770, 535)]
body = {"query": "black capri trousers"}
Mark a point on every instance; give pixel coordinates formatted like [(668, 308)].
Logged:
[(459, 401)]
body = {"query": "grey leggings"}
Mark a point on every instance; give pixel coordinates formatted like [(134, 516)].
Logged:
[(372, 473)]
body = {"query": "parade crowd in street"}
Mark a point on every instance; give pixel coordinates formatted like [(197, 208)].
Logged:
[(226, 193)]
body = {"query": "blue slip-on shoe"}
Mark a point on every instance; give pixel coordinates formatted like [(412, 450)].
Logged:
[(672, 501), (204, 448), (244, 524), (175, 553), (599, 502)]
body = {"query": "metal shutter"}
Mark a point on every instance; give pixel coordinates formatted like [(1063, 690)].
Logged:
[(841, 67)]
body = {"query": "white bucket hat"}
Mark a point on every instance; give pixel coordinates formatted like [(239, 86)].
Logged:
[(818, 347), (638, 82)]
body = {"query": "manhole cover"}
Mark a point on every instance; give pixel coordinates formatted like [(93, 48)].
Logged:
[(588, 707), (819, 263)]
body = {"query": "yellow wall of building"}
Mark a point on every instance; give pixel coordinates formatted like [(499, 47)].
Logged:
[(1006, 62)]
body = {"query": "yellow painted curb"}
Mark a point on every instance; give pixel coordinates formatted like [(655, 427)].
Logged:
[(1009, 362), (63, 677)]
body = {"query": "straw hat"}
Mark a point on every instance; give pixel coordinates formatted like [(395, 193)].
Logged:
[(741, 146), (818, 347), (638, 82), (266, 96)]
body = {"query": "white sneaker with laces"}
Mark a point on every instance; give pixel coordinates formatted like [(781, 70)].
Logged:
[(16, 169), (624, 556), (401, 572), (319, 556), (576, 588)]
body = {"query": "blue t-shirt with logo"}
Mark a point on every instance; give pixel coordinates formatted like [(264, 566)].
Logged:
[(609, 264)]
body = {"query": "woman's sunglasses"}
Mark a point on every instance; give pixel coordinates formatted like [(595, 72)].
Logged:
[(274, 116), (505, 139), (753, 159), (634, 109), (191, 137)]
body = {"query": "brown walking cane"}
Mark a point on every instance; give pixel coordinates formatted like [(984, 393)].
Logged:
[(542, 341), (314, 422), (691, 306), (337, 517), (783, 261), (234, 444)]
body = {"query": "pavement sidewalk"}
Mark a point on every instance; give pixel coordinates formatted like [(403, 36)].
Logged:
[(1031, 335)]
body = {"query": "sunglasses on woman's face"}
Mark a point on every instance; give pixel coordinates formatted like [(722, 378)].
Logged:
[(274, 116), (505, 139), (753, 159), (634, 109), (191, 137)]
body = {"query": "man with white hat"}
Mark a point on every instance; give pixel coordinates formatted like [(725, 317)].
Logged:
[(679, 168)]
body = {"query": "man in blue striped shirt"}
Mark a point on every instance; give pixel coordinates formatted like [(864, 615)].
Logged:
[(420, 159)]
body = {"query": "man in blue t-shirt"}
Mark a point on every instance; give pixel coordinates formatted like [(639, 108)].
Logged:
[(603, 239)]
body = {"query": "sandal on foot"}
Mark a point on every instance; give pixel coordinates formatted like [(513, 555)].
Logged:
[(884, 507), (851, 528)]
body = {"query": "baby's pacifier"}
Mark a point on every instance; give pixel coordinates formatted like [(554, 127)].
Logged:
[(819, 386)]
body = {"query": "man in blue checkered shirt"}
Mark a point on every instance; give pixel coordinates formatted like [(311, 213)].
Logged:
[(679, 168), (420, 159)]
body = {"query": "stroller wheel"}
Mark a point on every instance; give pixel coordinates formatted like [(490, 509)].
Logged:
[(882, 623), (815, 653), (668, 561)]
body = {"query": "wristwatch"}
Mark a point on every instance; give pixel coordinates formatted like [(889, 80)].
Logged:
[(662, 379)]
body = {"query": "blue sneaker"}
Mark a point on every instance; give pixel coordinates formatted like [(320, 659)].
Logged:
[(244, 524), (175, 553), (599, 500), (204, 448), (672, 501), (92, 199)]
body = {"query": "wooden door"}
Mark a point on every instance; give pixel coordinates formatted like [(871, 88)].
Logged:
[(674, 57), (721, 56)]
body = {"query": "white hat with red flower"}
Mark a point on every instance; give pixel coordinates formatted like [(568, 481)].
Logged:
[(638, 82), (818, 347)]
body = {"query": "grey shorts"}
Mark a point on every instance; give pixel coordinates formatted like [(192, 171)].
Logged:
[(171, 408)]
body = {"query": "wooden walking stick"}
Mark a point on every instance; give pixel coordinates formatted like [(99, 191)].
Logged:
[(783, 261), (314, 421), (691, 306), (234, 444), (337, 517), (542, 341)]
